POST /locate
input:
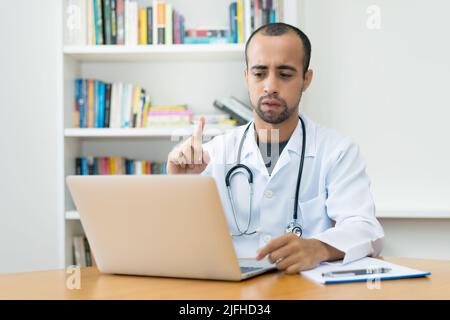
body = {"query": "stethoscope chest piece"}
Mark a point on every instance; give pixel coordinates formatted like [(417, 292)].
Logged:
[(295, 228)]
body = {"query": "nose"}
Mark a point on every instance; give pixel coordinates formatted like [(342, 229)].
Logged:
[(271, 85)]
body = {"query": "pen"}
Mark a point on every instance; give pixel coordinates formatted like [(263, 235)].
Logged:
[(356, 272)]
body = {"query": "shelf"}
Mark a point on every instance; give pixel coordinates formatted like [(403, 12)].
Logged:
[(181, 52), (157, 131)]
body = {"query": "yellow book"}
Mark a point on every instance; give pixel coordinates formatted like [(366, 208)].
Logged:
[(135, 106), (112, 166), (143, 26), (240, 20), (145, 113), (167, 108)]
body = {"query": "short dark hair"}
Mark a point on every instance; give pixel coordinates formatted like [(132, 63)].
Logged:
[(278, 29)]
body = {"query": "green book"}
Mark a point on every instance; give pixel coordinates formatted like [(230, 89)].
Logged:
[(107, 21)]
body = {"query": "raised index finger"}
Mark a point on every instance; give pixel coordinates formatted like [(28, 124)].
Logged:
[(198, 133)]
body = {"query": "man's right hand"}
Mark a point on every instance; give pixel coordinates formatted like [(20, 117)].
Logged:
[(189, 157)]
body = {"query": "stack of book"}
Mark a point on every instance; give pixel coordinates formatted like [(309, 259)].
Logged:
[(215, 119), (124, 22), (117, 166), (241, 112), (169, 115), (82, 256)]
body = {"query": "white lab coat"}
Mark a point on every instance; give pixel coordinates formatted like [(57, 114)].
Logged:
[(335, 202)]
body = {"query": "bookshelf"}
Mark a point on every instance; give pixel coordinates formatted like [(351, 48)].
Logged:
[(180, 52), (192, 74)]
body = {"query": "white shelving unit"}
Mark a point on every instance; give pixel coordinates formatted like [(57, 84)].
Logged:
[(172, 74), (180, 52)]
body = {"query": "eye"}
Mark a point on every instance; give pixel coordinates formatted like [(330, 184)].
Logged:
[(285, 75), (258, 74)]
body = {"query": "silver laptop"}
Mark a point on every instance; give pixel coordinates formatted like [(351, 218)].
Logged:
[(156, 225)]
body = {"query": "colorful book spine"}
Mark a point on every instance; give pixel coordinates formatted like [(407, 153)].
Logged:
[(161, 16), (240, 20), (90, 165), (169, 24), (114, 21), (107, 21), (106, 119), (142, 26), (120, 22), (149, 25), (98, 18), (90, 103)]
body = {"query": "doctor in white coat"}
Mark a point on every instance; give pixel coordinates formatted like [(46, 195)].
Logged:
[(335, 208)]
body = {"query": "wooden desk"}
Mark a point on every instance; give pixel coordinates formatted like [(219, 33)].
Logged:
[(94, 285)]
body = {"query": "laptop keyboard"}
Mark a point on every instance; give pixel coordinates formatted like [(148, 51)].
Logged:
[(249, 269)]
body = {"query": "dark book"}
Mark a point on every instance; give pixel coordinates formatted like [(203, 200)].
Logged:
[(78, 166), (150, 25), (107, 21), (235, 108), (90, 164), (108, 91)]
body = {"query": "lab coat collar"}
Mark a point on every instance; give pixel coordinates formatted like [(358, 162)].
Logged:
[(251, 153), (295, 142)]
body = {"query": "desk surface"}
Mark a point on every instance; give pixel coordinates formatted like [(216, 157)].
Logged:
[(276, 285)]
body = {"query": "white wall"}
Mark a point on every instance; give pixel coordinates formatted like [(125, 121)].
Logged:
[(388, 89), (29, 134)]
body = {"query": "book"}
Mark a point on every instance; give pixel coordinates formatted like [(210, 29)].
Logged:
[(113, 21), (76, 15), (168, 37), (98, 21), (120, 20), (233, 22), (238, 110), (142, 26), (240, 21), (131, 23), (149, 25), (107, 21), (161, 16)]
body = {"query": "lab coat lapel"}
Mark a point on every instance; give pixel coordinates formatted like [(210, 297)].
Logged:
[(294, 146)]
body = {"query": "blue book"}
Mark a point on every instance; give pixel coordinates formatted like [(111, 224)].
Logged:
[(233, 22), (84, 166), (101, 104), (96, 100), (273, 17), (83, 104), (78, 84), (206, 40), (182, 29)]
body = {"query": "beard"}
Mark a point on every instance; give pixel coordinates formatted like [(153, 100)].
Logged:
[(274, 116)]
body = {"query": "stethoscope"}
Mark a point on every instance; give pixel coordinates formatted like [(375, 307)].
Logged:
[(293, 226)]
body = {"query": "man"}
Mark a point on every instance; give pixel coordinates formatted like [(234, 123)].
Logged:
[(335, 203)]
